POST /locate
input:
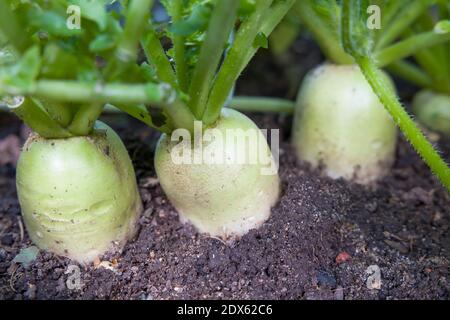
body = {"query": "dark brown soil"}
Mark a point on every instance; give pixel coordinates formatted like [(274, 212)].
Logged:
[(318, 244)]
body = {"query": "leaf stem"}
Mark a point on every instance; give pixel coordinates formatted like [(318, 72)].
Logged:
[(411, 73), (234, 62), (157, 57), (36, 117), (219, 29), (262, 104), (410, 13), (322, 33), (138, 13), (180, 49), (435, 70), (409, 46), (240, 54), (84, 92), (139, 112), (84, 120), (59, 112)]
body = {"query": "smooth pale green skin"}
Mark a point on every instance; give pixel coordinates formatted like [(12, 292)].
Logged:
[(341, 126), (433, 110), (79, 196), (222, 200)]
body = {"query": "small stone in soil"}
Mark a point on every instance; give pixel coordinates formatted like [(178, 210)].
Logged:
[(374, 277), (342, 257), (325, 279), (339, 293)]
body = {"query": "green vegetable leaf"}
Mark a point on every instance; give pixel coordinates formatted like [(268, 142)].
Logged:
[(442, 27), (55, 61), (94, 10), (23, 73), (6, 55), (196, 21), (52, 22), (101, 43), (246, 7), (356, 37), (26, 256)]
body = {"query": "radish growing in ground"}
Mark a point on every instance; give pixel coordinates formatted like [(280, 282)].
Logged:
[(222, 199), (175, 91), (339, 122)]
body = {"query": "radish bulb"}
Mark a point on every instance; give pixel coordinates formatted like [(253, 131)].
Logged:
[(78, 195), (433, 111), (219, 188), (341, 126)]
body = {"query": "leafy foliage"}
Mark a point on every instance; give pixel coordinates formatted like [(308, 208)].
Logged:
[(105, 48)]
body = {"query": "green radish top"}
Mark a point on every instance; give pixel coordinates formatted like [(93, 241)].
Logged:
[(385, 22), (69, 58), (429, 69)]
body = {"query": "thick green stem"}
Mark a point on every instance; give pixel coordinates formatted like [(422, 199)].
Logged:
[(411, 73), (35, 116), (180, 115), (137, 15), (219, 29), (180, 49), (157, 95), (272, 19), (322, 33), (234, 62), (60, 112), (262, 104), (409, 46), (157, 57), (406, 124), (84, 120), (81, 92), (11, 27), (410, 13), (139, 112), (240, 55)]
